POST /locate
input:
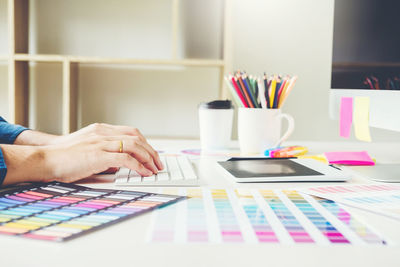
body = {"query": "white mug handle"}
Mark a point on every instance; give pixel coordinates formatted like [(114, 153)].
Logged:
[(289, 130)]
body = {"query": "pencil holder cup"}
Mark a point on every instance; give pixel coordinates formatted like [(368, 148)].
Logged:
[(215, 119), (260, 129)]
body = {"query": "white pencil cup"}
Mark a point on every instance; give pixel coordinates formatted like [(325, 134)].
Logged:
[(260, 129)]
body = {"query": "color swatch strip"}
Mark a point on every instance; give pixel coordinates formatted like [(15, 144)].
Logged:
[(165, 222), (382, 199), (57, 211), (262, 228), (196, 217), (286, 217), (359, 228), (261, 216), (228, 223), (322, 224)]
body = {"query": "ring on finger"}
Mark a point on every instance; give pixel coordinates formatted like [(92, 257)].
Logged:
[(121, 146)]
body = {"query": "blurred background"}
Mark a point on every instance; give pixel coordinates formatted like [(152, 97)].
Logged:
[(276, 36)]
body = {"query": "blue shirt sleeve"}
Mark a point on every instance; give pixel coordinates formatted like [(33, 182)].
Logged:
[(3, 168), (8, 134)]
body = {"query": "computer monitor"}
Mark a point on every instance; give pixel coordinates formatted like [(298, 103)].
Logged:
[(366, 62)]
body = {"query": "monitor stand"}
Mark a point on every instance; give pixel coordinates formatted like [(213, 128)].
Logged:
[(387, 173)]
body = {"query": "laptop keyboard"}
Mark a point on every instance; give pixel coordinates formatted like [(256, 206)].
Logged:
[(178, 170)]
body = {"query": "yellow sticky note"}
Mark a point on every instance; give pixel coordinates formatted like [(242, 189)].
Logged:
[(361, 118)]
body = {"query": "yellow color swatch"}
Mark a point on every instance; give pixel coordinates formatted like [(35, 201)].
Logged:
[(4, 219), (21, 226), (361, 118), (79, 226), (29, 222)]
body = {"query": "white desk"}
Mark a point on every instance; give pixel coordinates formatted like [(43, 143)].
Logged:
[(123, 244)]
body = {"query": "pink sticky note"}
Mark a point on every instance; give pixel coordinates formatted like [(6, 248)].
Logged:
[(349, 158), (346, 116)]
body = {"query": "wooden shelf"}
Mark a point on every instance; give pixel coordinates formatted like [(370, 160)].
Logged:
[(175, 62), (39, 58), (128, 61), (18, 59)]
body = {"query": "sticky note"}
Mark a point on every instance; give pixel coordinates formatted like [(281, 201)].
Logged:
[(361, 118), (349, 158), (346, 116)]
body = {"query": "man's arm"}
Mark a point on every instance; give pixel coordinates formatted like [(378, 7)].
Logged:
[(19, 135), (24, 164), (37, 156), (35, 138)]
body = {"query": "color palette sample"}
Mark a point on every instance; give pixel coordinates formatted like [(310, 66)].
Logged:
[(229, 227), (383, 199), (258, 216), (58, 211)]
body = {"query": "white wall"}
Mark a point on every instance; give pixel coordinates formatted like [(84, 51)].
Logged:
[(293, 37), (163, 101)]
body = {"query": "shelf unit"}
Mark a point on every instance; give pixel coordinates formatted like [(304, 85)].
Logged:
[(19, 59)]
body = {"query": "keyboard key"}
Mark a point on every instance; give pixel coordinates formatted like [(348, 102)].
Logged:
[(134, 177), (123, 172), (149, 178), (162, 176), (187, 168), (177, 170), (121, 180), (174, 170), (164, 162)]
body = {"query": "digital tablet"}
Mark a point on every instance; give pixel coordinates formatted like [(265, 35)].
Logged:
[(281, 170)]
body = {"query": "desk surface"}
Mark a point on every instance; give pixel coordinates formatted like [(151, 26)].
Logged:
[(124, 243)]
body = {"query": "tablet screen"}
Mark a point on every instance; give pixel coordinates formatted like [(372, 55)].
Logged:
[(266, 168)]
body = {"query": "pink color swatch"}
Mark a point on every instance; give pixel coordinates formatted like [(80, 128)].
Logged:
[(349, 158), (346, 116)]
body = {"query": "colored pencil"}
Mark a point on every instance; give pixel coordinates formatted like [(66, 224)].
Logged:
[(238, 91), (233, 92), (255, 85), (266, 90), (246, 94), (272, 92), (281, 89), (261, 94), (246, 83), (283, 92), (278, 87), (289, 89)]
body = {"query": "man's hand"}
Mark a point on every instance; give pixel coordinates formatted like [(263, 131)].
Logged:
[(83, 157), (97, 129), (35, 138), (95, 154)]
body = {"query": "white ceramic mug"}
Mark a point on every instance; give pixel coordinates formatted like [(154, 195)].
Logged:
[(260, 129), (215, 120)]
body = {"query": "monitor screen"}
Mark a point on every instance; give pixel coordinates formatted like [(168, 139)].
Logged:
[(366, 45)]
